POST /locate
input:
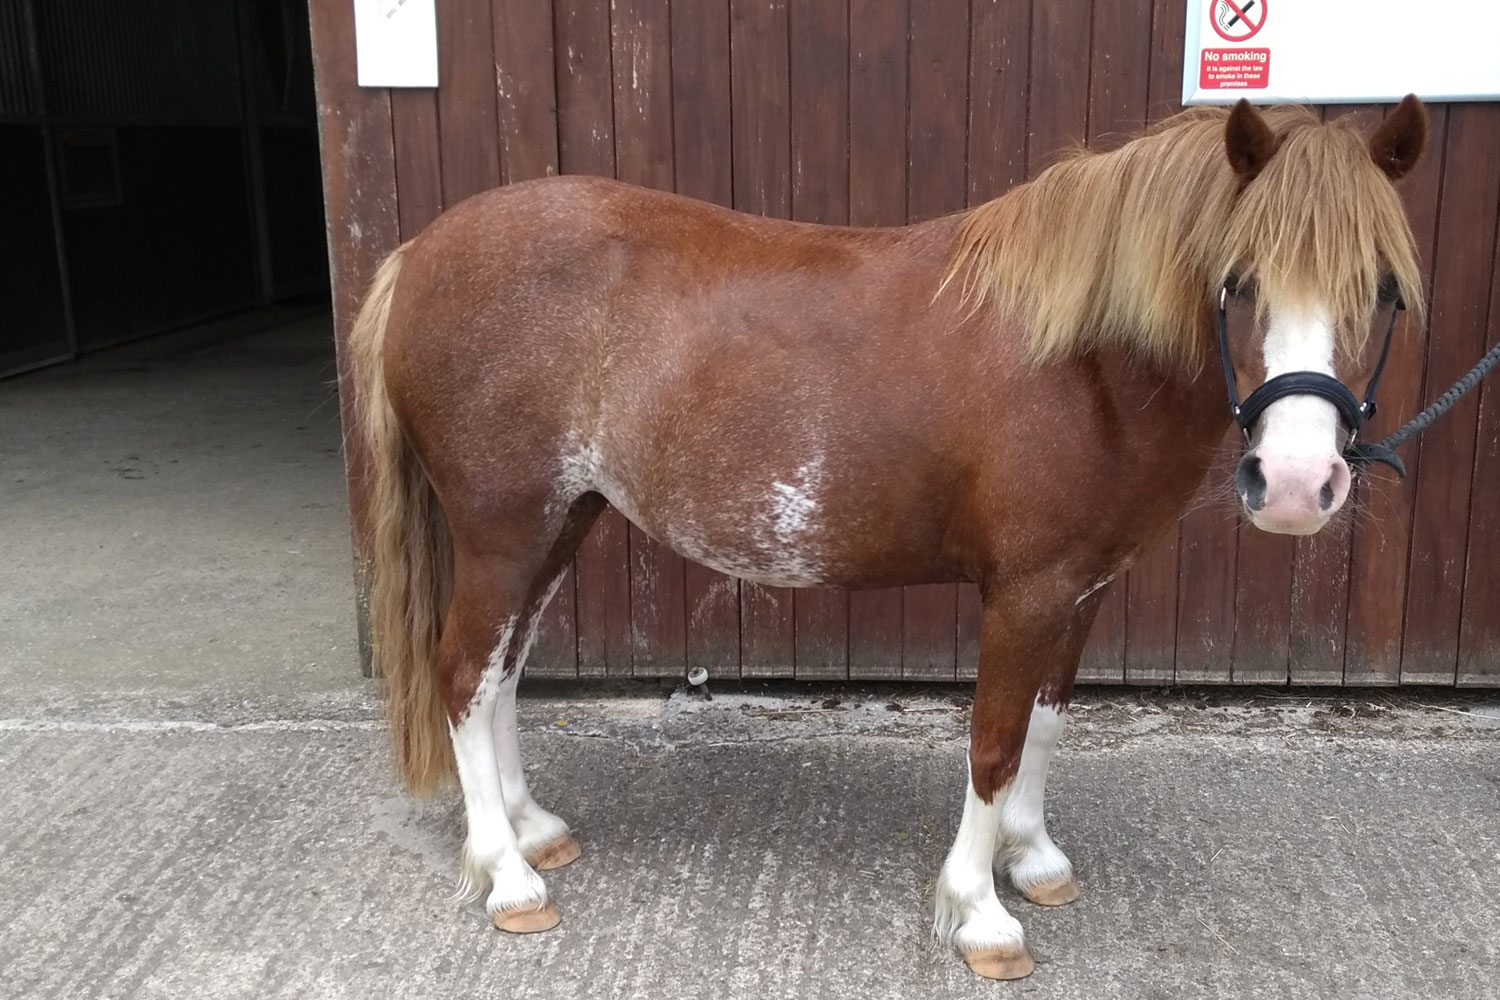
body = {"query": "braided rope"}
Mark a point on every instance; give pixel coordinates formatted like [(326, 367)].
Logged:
[(1423, 420)]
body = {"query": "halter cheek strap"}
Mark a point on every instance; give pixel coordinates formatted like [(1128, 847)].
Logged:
[(1353, 412)]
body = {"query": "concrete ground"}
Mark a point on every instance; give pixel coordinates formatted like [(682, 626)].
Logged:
[(198, 802)]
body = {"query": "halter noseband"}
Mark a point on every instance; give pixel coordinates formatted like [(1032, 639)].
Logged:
[(1353, 412)]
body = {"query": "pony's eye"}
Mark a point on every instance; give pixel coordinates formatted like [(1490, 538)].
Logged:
[(1388, 291), (1238, 285)]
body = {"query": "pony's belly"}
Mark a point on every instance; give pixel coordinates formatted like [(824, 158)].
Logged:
[(776, 540), (770, 567), (772, 528)]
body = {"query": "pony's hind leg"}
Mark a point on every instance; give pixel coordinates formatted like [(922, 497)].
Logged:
[(480, 639), (545, 839)]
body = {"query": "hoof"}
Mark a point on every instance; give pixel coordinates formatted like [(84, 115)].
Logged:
[(529, 920), (562, 851), (1013, 962), (1059, 893)]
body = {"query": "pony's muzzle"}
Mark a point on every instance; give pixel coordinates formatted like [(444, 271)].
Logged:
[(1291, 494)]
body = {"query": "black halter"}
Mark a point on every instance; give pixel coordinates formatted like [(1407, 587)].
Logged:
[(1353, 412)]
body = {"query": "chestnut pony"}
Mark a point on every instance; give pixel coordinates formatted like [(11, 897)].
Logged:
[(1024, 395)]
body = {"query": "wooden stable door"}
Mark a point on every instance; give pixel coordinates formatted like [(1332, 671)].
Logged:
[(880, 112)]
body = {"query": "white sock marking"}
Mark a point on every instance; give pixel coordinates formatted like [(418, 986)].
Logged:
[(491, 851), (1033, 858), (534, 826), (969, 915)]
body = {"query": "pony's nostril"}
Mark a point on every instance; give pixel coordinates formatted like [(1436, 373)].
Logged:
[(1325, 496), (1250, 480)]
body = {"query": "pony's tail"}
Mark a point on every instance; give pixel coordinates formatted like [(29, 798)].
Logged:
[(407, 566)]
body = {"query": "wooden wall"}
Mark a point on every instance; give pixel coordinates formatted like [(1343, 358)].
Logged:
[(878, 112)]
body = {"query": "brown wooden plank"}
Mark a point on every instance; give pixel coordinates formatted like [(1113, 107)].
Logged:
[(1479, 639), (1462, 263), (700, 100), (642, 41), (936, 182), (526, 85), (875, 620), (937, 122), (602, 573), (929, 632), (1206, 579), (760, 82), (702, 148), (877, 112), (1168, 29), (821, 633), (819, 94), (1151, 593), (1059, 98), (555, 653), (713, 621), (767, 632), (586, 145), (658, 608), (877, 197), (970, 613), (819, 89), (999, 72), (585, 88), (1119, 82), (1151, 614), (1320, 567), (467, 105), (1320, 605), (354, 126), (1381, 542), (1103, 660), (419, 177), (1262, 607)]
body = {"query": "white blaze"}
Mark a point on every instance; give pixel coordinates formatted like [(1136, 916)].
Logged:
[(1299, 339)]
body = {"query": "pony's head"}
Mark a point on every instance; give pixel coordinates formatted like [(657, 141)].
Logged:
[(1299, 220), (1316, 253)]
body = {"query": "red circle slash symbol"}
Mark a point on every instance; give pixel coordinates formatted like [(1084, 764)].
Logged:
[(1238, 20)]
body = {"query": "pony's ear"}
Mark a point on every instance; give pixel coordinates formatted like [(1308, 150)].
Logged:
[(1397, 144), (1248, 141)]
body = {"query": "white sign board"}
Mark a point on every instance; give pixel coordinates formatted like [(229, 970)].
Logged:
[(1330, 51), (395, 43)]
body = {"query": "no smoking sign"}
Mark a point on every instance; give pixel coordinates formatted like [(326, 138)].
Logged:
[(1238, 20)]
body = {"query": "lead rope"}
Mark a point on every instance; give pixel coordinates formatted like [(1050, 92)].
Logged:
[(1423, 420)]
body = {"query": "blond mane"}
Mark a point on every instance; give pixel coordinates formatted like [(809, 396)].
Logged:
[(1130, 247)]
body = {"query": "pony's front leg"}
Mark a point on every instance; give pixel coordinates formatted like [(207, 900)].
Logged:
[(969, 916), (1040, 871), (1020, 658)]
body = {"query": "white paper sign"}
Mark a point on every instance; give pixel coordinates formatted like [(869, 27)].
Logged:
[(1331, 51), (395, 43)]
